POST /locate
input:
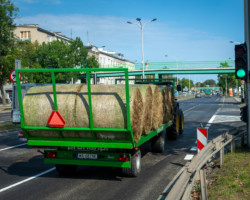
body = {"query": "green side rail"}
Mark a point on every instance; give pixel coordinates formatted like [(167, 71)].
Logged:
[(61, 141)]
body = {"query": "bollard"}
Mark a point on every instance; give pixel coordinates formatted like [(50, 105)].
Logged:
[(221, 157), (232, 146)]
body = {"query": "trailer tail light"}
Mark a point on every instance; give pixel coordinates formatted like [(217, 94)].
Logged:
[(123, 158), (49, 154), (21, 136)]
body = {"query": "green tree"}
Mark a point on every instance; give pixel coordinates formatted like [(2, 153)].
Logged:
[(8, 13), (60, 54), (228, 79), (210, 82), (184, 82)]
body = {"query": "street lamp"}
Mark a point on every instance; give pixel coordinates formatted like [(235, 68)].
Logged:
[(141, 27), (177, 66)]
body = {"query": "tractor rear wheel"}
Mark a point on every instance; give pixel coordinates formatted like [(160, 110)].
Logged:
[(174, 130), (158, 142), (181, 126)]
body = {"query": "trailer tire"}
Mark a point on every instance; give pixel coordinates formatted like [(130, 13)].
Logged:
[(66, 169), (158, 142), (135, 168), (181, 121), (173, 131)]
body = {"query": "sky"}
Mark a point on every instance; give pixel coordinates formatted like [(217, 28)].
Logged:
[(185, 30)]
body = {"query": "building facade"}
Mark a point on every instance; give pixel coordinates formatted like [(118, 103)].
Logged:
[(109, 59), (32, 32)]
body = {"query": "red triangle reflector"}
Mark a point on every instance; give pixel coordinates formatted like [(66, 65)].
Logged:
[(56, 120)]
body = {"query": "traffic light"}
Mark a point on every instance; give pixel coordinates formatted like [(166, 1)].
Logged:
[(241, 69), (243, 114)]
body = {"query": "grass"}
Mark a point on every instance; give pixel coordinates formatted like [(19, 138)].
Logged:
[(8, 126), (232, 181), (185, 98)]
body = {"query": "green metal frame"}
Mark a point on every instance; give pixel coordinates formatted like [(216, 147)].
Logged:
[(61, 141)]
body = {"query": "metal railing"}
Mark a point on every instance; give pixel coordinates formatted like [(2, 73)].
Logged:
[(181, 186)]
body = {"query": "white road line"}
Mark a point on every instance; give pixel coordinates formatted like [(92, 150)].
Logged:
[(212, 119), (190, 108), (13, 147), (26, 180)]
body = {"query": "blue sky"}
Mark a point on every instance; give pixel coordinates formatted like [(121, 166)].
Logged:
[(186, 30)]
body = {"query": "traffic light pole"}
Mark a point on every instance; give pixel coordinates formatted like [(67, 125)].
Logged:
[(247, 40)]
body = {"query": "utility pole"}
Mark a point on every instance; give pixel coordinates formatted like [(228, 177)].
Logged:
[(247, 40), (141, 26)]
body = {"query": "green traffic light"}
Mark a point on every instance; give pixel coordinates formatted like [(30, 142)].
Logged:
[(241, 73)]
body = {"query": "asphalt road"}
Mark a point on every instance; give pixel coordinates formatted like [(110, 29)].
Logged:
[(20, 167)]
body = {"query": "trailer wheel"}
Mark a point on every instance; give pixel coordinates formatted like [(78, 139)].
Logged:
[(181, 121), (135, 168), (158, 142), (174, 131), (66, 169)]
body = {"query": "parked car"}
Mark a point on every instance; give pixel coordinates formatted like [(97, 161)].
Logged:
[(198, 95)]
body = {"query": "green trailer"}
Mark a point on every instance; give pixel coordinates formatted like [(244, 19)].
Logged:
[(67, 153)]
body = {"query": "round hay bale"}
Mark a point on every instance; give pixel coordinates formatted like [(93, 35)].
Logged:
[(163, 92), (157, 114), (137, 109), (108, 108), (147, 111)]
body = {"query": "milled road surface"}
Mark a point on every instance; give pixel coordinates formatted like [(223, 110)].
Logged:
[(18, 165)]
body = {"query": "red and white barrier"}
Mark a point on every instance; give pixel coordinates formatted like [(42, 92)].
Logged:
[(201, 138)]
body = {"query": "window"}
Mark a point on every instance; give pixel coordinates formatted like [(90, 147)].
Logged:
[(25, 35)]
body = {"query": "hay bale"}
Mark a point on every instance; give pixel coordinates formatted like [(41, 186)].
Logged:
[(147, 111), (157, 117), (108, 108)]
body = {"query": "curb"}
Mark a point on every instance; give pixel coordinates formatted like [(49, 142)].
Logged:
[(12, 130)]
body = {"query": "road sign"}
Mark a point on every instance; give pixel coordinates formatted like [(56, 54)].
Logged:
[(17, 64), (13, 76), (242, 82), (201, 138)]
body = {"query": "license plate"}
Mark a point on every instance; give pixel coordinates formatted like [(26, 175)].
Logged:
[(87, 156)]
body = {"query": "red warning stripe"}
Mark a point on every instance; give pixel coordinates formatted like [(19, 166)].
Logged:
[(199, 145), (203, 131)]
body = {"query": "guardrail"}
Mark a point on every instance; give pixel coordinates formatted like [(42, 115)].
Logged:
[(181, 186)]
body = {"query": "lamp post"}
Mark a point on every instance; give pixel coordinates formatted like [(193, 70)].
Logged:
[(177, 66), (141, 27)]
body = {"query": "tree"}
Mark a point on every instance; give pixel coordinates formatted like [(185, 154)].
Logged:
[(210, 82), (184, 82), (60, 54), (7, 42), (228, 79)]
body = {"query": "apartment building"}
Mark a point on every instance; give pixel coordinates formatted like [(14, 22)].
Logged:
[(110, 59), (32, 32)]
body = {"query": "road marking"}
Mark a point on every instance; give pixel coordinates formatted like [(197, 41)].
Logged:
[(13, 147), (212, 119), (26, 180), (191, 108), (225, 118), (189, 157), (193, 148)]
